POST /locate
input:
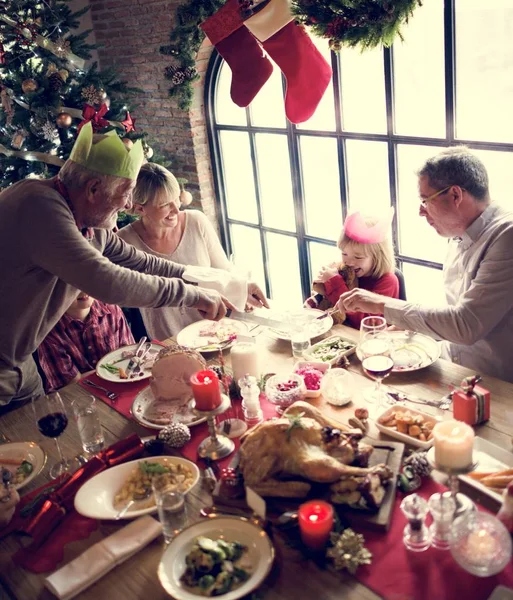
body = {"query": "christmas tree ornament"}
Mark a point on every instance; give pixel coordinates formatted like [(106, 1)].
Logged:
[(185, 198), (92, 95), (148, 152), (49, 131), (129, 125), (56, 81), (62, 47), (2, 53), (95, 117), (64, 120), (347, 551), (250, 66), (419, 464), (18, 139), (29, 86), (25, 34), (127, 142), (175, 435)]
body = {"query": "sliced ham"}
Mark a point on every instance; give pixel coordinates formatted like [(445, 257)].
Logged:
[(171, 373)]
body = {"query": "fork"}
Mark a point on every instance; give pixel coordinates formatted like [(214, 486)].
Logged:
[(327, 313), (137, 369), (110, 395)]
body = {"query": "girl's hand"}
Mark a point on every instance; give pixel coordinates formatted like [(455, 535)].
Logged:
[(326, 273)]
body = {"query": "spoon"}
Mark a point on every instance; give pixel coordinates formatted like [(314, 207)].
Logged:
[(137, 497)]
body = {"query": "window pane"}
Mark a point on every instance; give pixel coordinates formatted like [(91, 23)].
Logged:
[(323, 118), (424, 285), (500, 174), (321, 184), (367, 176), (363, 90), (284, 271), (268, 108), (275, 181), (247, 252), (238, 176), (484, 70), (419, 89), (227, 112), (320, 256)]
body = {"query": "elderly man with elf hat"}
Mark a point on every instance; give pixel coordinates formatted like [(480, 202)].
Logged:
[(56, 239)]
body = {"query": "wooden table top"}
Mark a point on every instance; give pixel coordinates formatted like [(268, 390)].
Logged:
[(137, 577)]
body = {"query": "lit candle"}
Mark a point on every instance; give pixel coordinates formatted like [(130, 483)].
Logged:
[(206, 390), (315, 523), (244, 358), (454, 443)]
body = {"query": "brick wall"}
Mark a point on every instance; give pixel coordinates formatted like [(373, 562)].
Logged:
[(131, 32)]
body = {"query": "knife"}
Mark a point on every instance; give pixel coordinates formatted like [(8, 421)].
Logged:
[(249, 317), (133, 360)]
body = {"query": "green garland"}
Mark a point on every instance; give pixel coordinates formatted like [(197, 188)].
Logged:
[(367, 23)]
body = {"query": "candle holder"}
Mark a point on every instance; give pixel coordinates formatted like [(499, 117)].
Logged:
[(464, 504), (216, 446)]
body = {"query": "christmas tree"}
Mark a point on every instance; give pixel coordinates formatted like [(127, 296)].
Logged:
[(47, 92)]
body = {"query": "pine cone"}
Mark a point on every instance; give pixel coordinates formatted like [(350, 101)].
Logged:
[(56, 82), (175, 435), (190, 72), (419, 464)]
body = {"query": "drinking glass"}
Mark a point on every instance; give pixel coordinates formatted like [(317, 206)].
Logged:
[(373, 325), (88, 422), (375, 348), (52, 420), (171, 507)]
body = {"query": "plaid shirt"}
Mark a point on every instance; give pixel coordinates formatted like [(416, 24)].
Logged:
[(75, 346)]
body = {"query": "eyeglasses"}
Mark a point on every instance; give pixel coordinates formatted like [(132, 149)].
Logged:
[(424, 201)]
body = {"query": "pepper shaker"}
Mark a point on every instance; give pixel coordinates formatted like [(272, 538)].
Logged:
[(416, 535)]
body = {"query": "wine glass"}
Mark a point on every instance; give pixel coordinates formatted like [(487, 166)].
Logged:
[(51, 421), (375, 351), (372, 325)]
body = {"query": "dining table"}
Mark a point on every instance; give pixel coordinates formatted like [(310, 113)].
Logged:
[(293, 576)]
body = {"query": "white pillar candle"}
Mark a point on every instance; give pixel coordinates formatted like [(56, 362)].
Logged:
[(454, 443), (245, 360)]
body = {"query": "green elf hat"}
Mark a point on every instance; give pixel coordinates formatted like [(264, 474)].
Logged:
[(109, 156)]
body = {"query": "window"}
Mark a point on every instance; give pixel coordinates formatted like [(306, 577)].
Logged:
[(285, 189)]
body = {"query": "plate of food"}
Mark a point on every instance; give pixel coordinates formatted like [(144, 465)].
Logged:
[(211, 336), (156, 414), (112, 367), (223, 556), (331, 350), (411, 351), (408, 425), (24, 460), (103, 496), (308, 317)]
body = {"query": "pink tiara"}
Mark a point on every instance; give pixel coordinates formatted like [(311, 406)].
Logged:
[(356, 228)]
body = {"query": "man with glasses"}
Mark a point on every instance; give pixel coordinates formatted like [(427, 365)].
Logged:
[(476, 325)]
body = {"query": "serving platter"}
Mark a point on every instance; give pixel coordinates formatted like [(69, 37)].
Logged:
[(20, 451), (210, 336), (115, 358), (232, 529), (307, 316)]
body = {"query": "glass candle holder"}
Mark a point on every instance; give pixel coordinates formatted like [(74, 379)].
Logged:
[(416, 535), (442, 508), (284, 390)]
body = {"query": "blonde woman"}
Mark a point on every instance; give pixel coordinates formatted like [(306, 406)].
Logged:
[(185, 237), (367, 252)]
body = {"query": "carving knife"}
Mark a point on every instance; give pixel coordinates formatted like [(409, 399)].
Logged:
[(250, 317)]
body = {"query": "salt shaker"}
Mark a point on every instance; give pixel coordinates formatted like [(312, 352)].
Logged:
[(250, 392), (416, 535), (442, 508)]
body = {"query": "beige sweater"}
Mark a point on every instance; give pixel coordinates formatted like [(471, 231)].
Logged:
[(46, 260)]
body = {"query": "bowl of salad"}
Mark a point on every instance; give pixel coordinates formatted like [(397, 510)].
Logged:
[(330, 350)]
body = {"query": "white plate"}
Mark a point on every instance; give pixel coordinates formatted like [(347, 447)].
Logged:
[(411, 351), (114, 356), (407, 439), (260, 552), (220, 330), (309, 315), (29, 451), (95, 499), (309, 354), (144, 399)]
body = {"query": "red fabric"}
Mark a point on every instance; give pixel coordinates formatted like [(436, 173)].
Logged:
[(223, 23), (307, 72), (74, 346), (388, 285), (398, 574)]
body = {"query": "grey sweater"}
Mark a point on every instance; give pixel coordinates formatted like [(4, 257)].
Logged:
[(46, 260)]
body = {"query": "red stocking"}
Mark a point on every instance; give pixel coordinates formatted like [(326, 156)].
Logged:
[(307, 72)]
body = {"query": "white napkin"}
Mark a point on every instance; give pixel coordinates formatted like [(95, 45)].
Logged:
[(228, 283), (101, 558)]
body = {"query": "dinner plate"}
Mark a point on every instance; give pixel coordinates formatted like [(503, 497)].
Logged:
[(29, 451), (309, 316), (115, 356), (411, 351), (231, 529), (207, 336), (145, 398), (95, 499)]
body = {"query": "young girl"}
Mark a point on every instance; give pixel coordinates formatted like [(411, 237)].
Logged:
[(367, 261)]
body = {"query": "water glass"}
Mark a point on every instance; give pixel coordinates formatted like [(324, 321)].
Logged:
[(300, 340), (88, 422), (171, 507)]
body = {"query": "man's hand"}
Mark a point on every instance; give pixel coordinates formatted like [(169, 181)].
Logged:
[(8, 500), (256, 298), (359, 300), (326, 273), (211, 305)]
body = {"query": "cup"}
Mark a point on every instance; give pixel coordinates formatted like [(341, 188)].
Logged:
[(88, 422), (171, 508), (300, 340)]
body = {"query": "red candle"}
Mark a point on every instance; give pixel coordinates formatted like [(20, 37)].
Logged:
[(315, 523), (206, 390)]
